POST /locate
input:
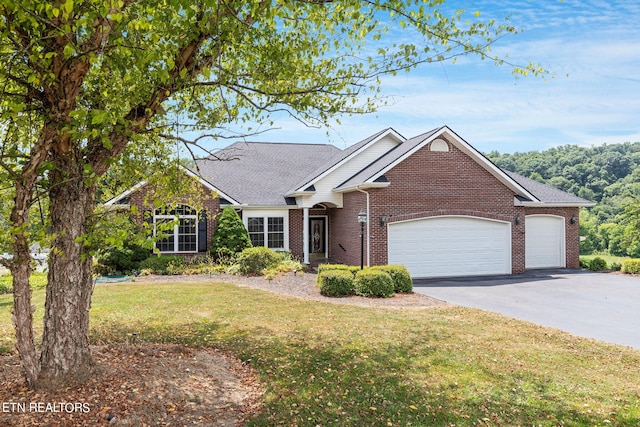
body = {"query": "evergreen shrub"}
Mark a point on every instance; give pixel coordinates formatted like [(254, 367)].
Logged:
[(371, 282), (597, 264), (336, 283), (402, 282), (230, 236)]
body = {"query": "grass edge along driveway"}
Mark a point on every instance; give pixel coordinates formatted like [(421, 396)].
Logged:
[(327, 364)]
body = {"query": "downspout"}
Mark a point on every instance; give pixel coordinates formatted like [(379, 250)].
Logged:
[(368, 227)]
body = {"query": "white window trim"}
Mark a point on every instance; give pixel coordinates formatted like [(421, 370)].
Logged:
[(265, 214), (176, 229)]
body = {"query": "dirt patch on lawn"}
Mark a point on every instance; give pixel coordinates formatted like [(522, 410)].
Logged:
[(138, 385)]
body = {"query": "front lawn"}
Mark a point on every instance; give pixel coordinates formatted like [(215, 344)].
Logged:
[(326, 364)]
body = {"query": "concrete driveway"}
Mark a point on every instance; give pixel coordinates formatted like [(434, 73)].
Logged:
[(593, 305)]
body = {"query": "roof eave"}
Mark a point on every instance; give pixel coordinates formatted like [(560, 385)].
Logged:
[(363, 186)]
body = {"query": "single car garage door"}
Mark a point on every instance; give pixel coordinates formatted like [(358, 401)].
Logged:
[(451, 246), (544, 241)]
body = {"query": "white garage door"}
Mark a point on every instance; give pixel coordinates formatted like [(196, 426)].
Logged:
[(451, 246), (544, 241)]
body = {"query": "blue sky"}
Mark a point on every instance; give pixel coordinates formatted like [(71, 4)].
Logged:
[(592, 47)]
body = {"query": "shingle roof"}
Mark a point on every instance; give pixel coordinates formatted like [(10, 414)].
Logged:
[(262, 173), (545, 193)]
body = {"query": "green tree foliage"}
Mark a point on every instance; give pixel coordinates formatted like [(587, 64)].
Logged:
[(608, 175), (230, 236), (90, 85)]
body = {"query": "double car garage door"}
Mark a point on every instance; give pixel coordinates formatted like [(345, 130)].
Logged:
[(463, 246)]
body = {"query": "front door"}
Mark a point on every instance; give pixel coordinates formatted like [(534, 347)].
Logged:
[(317, 234)]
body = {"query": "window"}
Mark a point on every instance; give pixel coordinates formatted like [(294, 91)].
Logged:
[(272, 235), (178, 228), (256, 231)]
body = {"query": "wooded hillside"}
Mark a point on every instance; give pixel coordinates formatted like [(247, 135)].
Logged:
[(608, 175)]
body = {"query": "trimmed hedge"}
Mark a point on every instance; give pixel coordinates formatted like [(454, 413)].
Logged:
[(336, 283), (402, 282), (373, 283), (323, 268), (631, 266)]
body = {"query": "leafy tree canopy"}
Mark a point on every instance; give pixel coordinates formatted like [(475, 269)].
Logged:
[(608, 175), (86, 85)]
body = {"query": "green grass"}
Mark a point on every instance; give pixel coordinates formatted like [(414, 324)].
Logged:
[(38, 280), (326, 364), (608, 258)]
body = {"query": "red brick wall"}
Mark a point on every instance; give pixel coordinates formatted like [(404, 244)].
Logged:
[(345, 230), (431, 183)]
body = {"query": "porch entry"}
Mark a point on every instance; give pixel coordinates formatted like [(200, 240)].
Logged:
[(317, 237)]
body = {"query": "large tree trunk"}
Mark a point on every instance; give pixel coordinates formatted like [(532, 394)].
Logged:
[(21, 271), (65, 343)]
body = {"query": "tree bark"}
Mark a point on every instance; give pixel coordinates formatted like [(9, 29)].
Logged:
[(20, 267), (66, 356)]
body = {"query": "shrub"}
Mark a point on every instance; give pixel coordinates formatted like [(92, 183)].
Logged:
[(255, 260), (38, 280), (322, 268), (597, 264), (373, 283), (615, 266), (123, 259), (230, 236), (336, 283), (631, 266), (163, 264), (402, 281)]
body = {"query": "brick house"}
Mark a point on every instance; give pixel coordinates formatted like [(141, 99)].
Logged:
[(432, 203)]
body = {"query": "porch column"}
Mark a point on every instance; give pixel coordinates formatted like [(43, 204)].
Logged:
[(305, 234)]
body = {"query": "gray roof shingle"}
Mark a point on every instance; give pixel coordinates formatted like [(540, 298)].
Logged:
[(262, 173), (545, 193)]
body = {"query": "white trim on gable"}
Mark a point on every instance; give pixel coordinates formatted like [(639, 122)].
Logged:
[(388, 132), (190, 173)]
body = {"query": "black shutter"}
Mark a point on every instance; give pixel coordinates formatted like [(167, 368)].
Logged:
[(147, 218), (202, 232)]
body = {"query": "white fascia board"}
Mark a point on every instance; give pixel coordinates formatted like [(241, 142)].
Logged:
[(388, 132), (468, 150), (125, 194)]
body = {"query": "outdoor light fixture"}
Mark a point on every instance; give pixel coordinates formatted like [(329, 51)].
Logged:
[(383, 220), (573, 219), (362, 219), (517, 219)]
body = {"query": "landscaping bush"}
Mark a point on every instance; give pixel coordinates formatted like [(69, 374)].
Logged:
[(373, 283), (631, 266), (615, 266), (336, 283), (323, 268), (123, 259), (230, 236), (400, 275), (256, 260), (597, 264), (163, 264)]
